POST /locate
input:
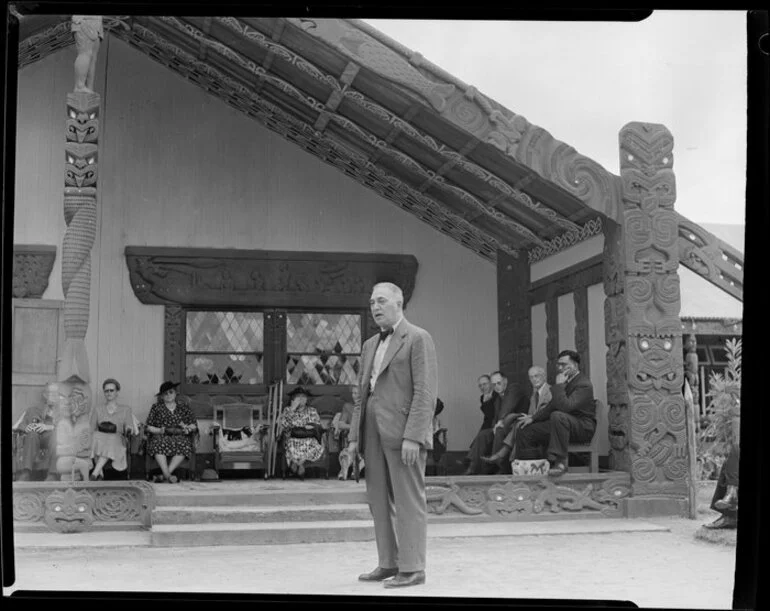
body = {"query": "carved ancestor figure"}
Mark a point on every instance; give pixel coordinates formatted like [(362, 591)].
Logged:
[(73, 435), (88, 33), (691, 367)]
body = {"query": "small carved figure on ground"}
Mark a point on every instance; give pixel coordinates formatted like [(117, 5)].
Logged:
[(88, 33)]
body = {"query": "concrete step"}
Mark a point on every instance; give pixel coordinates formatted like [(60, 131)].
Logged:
[(242, 514), (198, 535), (259, 497), (269, 533)]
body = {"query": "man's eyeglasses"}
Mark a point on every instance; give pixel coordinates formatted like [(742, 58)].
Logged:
[(560, 364), (110, 390)]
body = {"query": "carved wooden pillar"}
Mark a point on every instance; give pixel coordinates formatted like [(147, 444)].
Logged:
[(514, 317), (551, 338), (615, 335), (80, 215), (658, 443), (581, 329)]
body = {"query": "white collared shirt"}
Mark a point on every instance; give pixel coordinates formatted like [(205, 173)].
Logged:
[(379, 354)]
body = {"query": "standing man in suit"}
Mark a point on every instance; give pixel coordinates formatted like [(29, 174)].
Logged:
[(540, 397), (393, 426), (570, 416)]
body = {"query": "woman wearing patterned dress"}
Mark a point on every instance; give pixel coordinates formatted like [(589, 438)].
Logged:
[(300, 425), (109, 422), (171, 423)]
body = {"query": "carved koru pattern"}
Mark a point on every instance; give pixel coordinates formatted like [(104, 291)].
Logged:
[(28, 506), (440, 498), (211, 277), (654, 343), (375, 56), (69, 511), (32, 267), (174, 328), (79, 506)]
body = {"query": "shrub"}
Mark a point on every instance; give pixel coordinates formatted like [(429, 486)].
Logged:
[(716, 433)]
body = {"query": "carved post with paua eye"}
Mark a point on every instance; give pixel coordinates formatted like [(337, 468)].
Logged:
[(655, 374), (80, 183)]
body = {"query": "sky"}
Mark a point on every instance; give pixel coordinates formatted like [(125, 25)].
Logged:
[(583, 81)]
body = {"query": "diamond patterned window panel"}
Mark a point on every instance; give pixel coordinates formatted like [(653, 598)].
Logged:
[(225, 348), (323, 348)]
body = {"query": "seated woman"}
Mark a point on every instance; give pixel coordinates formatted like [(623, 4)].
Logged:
[(300, 427), (109, 422), (171, 423)]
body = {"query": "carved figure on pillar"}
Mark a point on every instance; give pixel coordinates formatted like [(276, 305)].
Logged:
[(88, 32), (655, 370), (691, 367), (73, 432)]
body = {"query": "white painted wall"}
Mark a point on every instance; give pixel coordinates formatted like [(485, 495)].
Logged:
[(179, 168), (566, 308), (567, 257)]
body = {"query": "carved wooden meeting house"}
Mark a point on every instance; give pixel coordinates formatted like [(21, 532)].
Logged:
[(216, 208)]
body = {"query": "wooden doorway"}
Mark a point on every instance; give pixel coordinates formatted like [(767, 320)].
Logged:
[(38, 340)]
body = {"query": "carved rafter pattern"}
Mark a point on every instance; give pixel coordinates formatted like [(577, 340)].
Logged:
[(590, 229), (326, 110), (44, 43), (710, 257), (325, 146)]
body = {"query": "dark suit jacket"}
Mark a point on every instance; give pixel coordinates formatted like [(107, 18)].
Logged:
[(576, 398), (405, 390)]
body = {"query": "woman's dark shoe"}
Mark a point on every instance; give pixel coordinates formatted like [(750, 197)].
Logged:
[(730, 500), (378, 574), (722, 523)]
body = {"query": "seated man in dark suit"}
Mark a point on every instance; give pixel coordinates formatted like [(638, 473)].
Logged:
[(482, 443), (570, 416), (512, 403), (37, 424)]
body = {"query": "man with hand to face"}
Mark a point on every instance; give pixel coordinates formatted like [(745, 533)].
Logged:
[(569, 416), (393, 427)]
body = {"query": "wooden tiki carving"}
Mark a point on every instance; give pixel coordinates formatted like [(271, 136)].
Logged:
[(653, 351), (80, 179)]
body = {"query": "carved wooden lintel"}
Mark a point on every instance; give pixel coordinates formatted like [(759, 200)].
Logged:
[(32, 265), (263, 278)]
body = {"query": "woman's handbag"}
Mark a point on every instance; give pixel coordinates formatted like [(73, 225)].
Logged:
[(107, 427), (302, 433), (175, 430)]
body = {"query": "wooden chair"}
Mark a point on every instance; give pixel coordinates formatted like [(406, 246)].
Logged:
[(321, 465), (188, 465), (40, 467), (237, 416), (591, 448)]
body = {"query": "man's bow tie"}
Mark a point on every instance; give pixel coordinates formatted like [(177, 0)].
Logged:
[(384, 334)]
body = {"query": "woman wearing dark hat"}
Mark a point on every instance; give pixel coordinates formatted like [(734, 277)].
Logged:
[(170, 421), (300, 426)]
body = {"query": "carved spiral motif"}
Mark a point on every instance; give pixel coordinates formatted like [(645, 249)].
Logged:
[(115, 505), (28, 507), (644, 469), (467, 113), (666, 229), (672, 414), (644, 414), (640, 290), (668, 292), (675, 469)]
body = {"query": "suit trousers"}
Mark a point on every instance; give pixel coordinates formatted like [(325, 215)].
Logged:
[(556, 433), (481, 446), (728, 476), (397, 500), (33, 443)]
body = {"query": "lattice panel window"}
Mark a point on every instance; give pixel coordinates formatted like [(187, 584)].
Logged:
[(225, 348), (323, 348)]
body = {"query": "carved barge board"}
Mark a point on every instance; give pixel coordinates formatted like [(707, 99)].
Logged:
[(264, 278)]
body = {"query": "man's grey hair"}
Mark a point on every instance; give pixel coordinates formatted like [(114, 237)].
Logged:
[(396, 291), (535, 370)]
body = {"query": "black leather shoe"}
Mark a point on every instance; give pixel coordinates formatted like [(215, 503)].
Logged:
[(498, 457), (378, 574), (558, 469), (722, 523), (403, 580), (730, 500)]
